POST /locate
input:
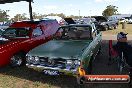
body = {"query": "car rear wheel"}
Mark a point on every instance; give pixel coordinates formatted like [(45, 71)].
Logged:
[(115, 26), (17, 60), (112, 27), (106, 28)]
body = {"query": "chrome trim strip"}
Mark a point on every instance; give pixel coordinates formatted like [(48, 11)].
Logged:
[(65, 71)]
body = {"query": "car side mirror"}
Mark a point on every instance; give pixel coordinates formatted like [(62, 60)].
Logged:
[(36, 34)]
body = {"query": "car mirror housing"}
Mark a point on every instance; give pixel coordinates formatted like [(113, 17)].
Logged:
[(36, 34)]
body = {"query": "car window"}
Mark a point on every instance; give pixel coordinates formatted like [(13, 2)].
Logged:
[(37, 32), (75, 32), (15, 32), (22, 33), (10, 32)]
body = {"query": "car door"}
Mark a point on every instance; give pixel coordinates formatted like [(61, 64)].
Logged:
[(96, 41)]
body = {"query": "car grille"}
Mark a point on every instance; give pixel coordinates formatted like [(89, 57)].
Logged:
[(54, 62)]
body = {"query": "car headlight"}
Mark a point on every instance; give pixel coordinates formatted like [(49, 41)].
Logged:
[(77, 62), (36, 59), (32, 59), (69, 62), (73, 62), (28, 58)]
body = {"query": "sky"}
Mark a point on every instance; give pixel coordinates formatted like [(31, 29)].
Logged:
[(68, 7)]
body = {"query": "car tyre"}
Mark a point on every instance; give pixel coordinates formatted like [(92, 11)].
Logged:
[(18, 60), (115, 26), (112, 27), (106, 28), (81, 80)]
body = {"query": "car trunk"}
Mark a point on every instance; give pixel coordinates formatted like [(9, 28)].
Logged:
[(69, 20), (100, 18)]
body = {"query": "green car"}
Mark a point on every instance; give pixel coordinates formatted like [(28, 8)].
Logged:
[(71, 51)]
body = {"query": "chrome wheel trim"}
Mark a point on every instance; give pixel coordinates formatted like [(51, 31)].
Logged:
[(16, 60)]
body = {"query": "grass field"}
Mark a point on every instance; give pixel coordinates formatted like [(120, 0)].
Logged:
[(24, 77), (119, 29), (112, 34)]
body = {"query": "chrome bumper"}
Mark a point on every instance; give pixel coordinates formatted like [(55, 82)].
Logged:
[(64, 71)]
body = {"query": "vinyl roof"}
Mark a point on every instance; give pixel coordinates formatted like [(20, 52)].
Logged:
[(11, 1)]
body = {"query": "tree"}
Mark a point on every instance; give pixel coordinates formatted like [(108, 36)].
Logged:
[(74, 17), (110, 10), (3, 15), (37, 15), (56, 14), (20, 17)]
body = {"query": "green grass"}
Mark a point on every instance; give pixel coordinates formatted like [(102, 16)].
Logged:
[(119, 29), (24, 77)]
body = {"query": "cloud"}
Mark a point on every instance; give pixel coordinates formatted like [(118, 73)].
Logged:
[(50, 7), (98, 0), (71, 5), (105, 0)]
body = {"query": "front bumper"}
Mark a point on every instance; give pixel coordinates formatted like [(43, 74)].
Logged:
[(73, 72)]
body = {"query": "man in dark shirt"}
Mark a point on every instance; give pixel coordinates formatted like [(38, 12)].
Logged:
[(123, 46)]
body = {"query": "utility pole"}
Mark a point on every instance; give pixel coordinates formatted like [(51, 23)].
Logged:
[(30, 9), (79, 13), (90, 13)]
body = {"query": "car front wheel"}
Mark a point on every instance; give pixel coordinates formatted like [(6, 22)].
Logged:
[(17, 60)]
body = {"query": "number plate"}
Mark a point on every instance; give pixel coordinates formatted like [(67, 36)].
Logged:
[(51, 72)]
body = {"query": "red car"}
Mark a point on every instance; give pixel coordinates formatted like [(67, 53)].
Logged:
[(23, 36)]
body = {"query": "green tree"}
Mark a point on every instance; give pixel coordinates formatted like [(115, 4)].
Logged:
[(110, 10), (74, 17), (37, 15), (20, 17), (3, 15)]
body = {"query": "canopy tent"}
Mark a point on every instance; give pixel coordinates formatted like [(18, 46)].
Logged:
[(11, 1)]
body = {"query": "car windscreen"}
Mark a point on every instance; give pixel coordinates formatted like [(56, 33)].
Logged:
[(15, 32), (74, 32)]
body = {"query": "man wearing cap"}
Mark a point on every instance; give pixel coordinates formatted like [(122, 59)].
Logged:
[(123, 46)]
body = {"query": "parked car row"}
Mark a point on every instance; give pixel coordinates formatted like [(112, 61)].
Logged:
[(104, 24), (55, 49), (101, 23), (124, 20)]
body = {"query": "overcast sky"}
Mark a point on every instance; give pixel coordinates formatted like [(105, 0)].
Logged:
[(68, 7)]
